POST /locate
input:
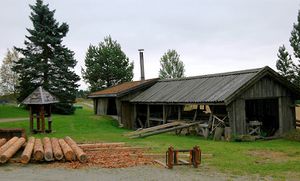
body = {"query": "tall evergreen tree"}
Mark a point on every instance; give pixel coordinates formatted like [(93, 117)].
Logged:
[(285, 65), (106, 65), (171, 65), (47, 62)]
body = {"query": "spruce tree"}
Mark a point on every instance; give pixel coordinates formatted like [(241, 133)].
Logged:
[(171, 65), (106, 65), (285, 65), (47, 62)]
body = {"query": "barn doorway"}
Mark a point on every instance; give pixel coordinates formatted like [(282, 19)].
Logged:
[(111, 106), (265, 111)]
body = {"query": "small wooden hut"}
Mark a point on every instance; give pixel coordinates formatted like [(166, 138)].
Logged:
[(39, 102)]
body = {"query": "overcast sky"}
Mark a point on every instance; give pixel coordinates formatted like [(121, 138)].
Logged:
[(210, 35)]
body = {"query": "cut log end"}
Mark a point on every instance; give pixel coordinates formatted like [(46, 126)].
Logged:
[(38, 155)]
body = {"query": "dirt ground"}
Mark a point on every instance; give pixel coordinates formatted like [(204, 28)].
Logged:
[(44, 173)]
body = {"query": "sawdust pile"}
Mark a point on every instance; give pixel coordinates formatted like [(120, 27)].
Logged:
[(110, 157)]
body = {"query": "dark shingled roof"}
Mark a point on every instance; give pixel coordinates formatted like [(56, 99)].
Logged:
[(40, 96), (123, 88), (213, 88)]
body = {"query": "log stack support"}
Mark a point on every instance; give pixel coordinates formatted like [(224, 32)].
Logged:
[(45, 149), (172, 157)]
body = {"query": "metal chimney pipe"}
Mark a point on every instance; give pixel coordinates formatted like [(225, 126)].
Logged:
[(142, 63)]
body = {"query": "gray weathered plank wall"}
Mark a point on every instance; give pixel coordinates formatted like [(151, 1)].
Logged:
[(264, 88)]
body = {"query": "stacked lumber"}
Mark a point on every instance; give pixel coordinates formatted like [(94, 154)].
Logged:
[(44, 149), (164, 128), (298, 124)]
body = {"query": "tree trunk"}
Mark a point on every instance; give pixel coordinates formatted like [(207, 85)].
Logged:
[(26, 155), (78, 151), (2, 141), (48, 149), (58, 154), (67, 150), (8, 144), (38, 151), (12, 150)]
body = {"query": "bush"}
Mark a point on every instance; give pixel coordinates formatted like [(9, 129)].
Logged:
[(63, 108)]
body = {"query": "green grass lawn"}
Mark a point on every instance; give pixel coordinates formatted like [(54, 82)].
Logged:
[(12, 111), (278, 158)]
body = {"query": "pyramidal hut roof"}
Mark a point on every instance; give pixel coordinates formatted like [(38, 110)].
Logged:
[(40, 96)]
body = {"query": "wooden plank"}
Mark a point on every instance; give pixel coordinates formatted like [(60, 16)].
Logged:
[(117, 148), (164, 130), (153, 128), (183, 161), (161, 163), (95, 145)]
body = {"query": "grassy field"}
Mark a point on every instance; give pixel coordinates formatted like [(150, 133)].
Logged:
[(278, 158), (11, 111)]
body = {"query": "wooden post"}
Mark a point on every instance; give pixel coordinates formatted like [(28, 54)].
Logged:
[(49, 120), (196, 113), (148, 115), (42, 114), (38, 125), (30, 119), (164, 115), (134, 116), (196, 156), (170, 157), (179, 113)]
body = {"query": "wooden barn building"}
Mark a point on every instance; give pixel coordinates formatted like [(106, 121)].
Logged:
[(235, 99), (114, 101)]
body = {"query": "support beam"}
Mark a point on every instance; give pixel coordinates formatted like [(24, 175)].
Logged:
[(164, 114), (30, 119), (134, 116), (148, 115), (179, 112)]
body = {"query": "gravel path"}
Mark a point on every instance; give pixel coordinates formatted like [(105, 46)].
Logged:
[(2, 120), (44, 173)]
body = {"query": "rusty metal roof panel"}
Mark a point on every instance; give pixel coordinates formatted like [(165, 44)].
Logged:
[(199, 89)]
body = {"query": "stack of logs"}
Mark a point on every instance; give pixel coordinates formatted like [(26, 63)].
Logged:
[(48, 149)]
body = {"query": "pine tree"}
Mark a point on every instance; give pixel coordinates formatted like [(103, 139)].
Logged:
[(47, 62), (285, 65), (106, 65), (8, 77), (171, 65)]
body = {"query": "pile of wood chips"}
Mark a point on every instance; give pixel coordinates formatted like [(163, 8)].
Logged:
[(111, 155)]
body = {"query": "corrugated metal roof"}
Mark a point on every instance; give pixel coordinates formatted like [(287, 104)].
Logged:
[(122, 88), (40, 96), (200, 89)]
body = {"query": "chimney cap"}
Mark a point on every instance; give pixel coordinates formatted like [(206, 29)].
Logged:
[(140, 50)]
